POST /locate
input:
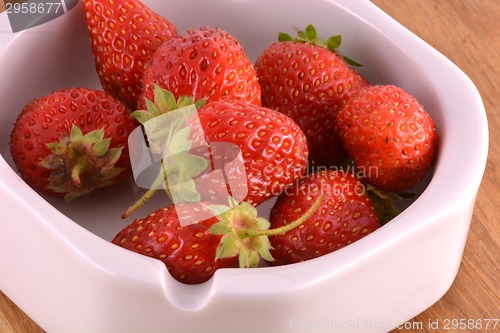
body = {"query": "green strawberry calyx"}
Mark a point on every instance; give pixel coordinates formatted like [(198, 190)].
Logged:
[(168, 124), (81, 163), (310, 35), (246, 235), (164, 101), (384, 202)]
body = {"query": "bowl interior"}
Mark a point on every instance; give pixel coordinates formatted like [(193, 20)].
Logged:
[(57, 55)]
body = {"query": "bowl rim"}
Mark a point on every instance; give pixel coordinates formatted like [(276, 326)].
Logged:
[(461, 190)]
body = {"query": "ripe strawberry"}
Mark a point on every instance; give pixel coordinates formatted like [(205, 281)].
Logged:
[(72, 141), (189, 252), (273, 147), (204, 63), (391, 138), (345, 215), (233, 237), (307, 80), (124, 35)]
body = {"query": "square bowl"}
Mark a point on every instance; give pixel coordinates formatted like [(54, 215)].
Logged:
[(60, 268)]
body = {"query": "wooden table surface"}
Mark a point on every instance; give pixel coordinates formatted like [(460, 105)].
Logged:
[(467, 32)]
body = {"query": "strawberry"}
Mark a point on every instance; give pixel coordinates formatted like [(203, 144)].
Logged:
[(273, 148), (391, 138), (234, 236), (344, 216), (204, 63), (123, 36), (307, 80), (189, 252), (72, 141)]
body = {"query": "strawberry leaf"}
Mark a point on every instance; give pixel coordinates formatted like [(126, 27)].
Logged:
[(81, 163), (264, 249), (114, 154), (94, 136), (383, 203), (142, 116), (56, 148), (219, 228), (185, 191), (112, 174), (185, 101), (71, 196), (164, 100), (53, 162), (169, 99), (284, 37), (351, 62), (101, 147), (152, 108), (334, 42), (193, 165), (310, 33), (247, 235), (179, 142), (200, 103), (228, 247), (75, 134)]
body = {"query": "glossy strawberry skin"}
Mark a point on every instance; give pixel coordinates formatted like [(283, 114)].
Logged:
[(345, 216), (205, 63), (44, 120), (273, 148), (188, 251), (310, 84), (124, 35), (391, 138)]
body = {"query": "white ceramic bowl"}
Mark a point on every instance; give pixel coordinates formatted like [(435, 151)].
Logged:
[(58, 265)]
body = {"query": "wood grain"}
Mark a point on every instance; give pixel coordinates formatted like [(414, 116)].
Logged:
[(468, 33)]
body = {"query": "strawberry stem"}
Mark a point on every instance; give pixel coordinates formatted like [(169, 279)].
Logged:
[(77, 170), (284, 229), (162, 178), (143, 199)]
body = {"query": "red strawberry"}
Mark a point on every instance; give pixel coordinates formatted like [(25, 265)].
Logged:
[(72, 141), (188, 251), (204, 63), (308, 81), (273, 148), (233, 237), (391, 138), (345, 215), (124, 35)]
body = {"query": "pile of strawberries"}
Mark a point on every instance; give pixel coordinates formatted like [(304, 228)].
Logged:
[(298, 114)]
